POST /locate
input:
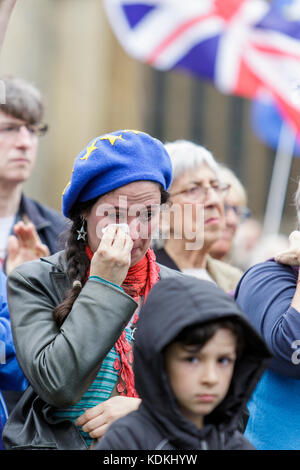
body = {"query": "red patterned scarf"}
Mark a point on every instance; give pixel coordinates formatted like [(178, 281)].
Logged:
[(139, 281)]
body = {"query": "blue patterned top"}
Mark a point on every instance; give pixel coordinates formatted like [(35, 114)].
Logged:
[(99, 391)]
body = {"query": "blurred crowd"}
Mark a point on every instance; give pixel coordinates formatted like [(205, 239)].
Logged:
[(153, 312)]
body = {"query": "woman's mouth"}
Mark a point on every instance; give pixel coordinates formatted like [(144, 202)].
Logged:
[(212, 220)]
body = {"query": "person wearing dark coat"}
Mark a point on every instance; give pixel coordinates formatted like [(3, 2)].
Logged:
[(206, 413), (28, 229), (25, 224), (49, 223)]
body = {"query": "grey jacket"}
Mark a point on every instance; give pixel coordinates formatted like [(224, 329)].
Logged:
[(60, 363)]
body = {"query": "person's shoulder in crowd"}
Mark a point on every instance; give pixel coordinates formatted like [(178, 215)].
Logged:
[(263, 278), (31, 205), (224, 274)]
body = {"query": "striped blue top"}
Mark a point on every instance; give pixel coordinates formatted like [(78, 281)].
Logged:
[(99, 391)]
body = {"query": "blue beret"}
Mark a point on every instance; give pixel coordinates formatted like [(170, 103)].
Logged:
[(113, 160)]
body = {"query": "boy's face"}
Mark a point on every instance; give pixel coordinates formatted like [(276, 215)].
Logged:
[(200, 380)]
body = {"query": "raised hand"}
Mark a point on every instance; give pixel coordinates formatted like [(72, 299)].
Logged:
[(24, 245), (112, 258)]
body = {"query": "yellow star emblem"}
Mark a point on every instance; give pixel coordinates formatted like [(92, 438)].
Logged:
[(66, 188), (112, 138), (89, 150)]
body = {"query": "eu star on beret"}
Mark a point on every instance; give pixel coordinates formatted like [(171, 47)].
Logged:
[(114, 160)]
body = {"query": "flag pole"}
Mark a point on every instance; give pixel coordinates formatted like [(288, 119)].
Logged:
[(279, 180), (6, 8)]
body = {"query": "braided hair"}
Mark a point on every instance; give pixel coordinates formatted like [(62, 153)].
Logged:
[(77, 261)]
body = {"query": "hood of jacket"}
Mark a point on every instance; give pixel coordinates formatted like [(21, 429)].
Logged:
[(172, 305)]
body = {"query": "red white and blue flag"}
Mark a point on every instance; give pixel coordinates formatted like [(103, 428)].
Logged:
[(245, 47)]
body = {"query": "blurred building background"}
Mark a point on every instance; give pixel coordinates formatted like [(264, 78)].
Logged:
[(66, 47)]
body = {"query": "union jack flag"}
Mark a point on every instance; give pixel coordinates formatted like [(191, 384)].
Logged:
[(245, 47)]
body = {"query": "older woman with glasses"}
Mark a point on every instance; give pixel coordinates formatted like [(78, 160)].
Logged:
[(195, 220)]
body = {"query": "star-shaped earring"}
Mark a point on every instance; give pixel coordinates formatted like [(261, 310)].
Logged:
[(82, 233)]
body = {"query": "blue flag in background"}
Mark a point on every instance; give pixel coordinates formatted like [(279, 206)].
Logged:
[(266, 122), (266, 118)]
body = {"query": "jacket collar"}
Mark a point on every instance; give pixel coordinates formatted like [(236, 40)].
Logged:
[(61, 280), (58, 275), (27, 207), (58, 261)]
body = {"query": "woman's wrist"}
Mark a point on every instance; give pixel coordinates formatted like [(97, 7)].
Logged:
[(105, 281)]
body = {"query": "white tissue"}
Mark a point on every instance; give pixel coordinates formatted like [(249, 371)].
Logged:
[(124, 227)]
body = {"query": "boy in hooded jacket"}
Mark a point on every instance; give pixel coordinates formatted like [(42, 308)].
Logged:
[(196, 363)]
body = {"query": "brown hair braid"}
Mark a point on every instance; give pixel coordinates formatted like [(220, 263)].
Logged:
[(77, 261)]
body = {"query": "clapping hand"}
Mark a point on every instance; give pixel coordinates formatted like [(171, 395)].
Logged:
[(24, 245)]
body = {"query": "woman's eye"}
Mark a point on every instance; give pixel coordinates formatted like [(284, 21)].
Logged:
[(145, 215), (109, 214), (193, 189)]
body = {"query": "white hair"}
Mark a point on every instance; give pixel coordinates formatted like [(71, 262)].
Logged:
[(236, 187), (186, 155)]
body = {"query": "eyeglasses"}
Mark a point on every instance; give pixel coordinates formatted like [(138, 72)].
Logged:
[(198, 192), (241, 212), (14, 129)]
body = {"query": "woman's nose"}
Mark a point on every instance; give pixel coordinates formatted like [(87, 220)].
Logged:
[(212, 197), (134, 227), (231, 217)]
